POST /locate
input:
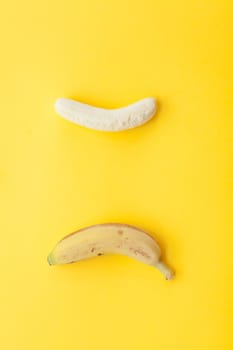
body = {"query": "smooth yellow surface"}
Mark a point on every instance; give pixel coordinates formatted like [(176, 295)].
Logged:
[(172, 177)]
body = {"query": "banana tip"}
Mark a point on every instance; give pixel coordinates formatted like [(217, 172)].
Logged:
[(50, 259), (165, 270), (170, 275)]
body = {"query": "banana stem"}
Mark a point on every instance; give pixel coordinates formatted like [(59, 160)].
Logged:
[(166, 271)]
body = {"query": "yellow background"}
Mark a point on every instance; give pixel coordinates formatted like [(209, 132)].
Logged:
[(172, 177)]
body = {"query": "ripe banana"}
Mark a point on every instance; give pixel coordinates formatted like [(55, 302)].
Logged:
[(109, 239), (119, 119)]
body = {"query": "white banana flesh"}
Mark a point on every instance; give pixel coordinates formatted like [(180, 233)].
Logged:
[(120, 119), (104, 239)]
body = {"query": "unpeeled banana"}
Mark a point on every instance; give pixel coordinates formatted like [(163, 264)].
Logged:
[(109, 238)]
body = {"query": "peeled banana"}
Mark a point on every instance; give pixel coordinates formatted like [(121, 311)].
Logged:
[(119, 119), (109, 238)]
